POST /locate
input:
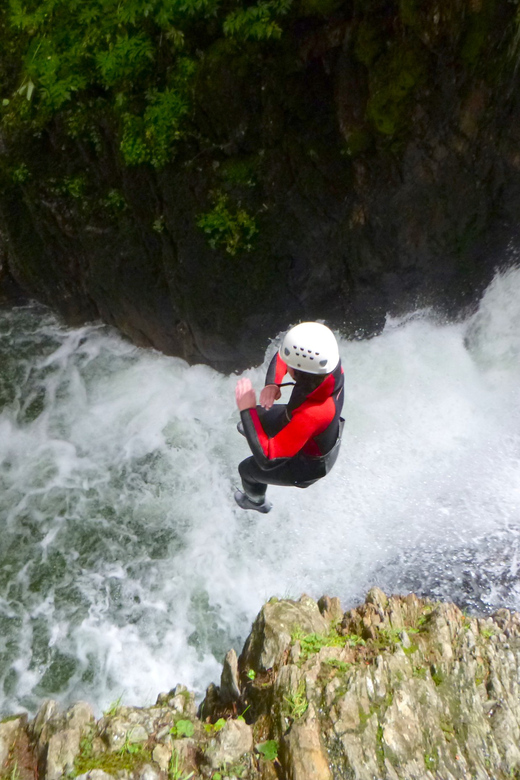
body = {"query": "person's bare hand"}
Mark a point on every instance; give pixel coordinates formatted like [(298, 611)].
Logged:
[(245, 395), (269, 395)]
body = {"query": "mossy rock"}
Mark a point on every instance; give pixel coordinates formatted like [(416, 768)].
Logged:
[(369, 41), (392, 82)]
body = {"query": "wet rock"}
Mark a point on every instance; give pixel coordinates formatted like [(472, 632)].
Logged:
[(229, 683), (271, 633), (161, 755), (95, 774), (148, 772), (47, 711), (9, 731), (62, 750), (305, 757), (330, 608), (230, 744)]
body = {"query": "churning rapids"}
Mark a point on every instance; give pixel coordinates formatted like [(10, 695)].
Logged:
[(125, 566)]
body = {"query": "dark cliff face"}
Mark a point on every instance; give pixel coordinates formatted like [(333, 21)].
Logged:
[(374, 147)]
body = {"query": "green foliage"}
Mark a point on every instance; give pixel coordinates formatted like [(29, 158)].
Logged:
[(296, 702), (431, 761), (20, 174), (125, 59), (132, 64), (251, 674), (335, 663), (115, 201), (312, 643), (231, 230), (257, 22), (214, 728), (183, 728), (114, 707), (269, 749)]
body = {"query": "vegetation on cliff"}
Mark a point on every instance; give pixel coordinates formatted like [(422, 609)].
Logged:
[(136, 65), (234, 159)]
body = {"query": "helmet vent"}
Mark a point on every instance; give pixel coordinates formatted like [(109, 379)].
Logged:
[(287, 352), (323, 362)]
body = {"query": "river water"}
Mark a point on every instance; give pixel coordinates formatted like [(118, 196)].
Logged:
[(125, 566)]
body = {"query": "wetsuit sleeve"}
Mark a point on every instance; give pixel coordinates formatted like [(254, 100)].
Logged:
[(292, 437), (276, 371)]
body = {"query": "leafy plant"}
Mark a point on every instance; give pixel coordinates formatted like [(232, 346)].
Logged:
[(257, 22), (131, 64), (114, 707), (214, 728), (230, 230), (183, 728), (268, 749), (131, 748), (297, 702), (335, 663), (312, 643)]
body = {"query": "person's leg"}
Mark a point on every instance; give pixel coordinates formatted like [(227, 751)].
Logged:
[(297, 472), (251, 476)]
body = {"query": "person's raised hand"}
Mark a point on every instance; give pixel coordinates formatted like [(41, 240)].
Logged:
[(245, 395), (269, 395)]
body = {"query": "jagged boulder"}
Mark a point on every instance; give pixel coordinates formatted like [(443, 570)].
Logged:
[(398, 688)]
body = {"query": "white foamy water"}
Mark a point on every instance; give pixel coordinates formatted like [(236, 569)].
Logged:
[(125, 566)]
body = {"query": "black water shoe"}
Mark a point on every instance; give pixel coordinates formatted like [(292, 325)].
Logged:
[(245, 502)]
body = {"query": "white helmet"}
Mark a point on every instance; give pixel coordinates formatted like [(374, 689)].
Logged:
[(310, 347)]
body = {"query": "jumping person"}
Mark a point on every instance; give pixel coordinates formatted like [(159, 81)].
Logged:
[(295, 443)]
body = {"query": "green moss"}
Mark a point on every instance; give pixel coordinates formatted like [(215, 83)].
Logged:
[(431, 761), (369, 42), (478, 28), (392, 82), (409, 12), (380, 748), (128, 758), (438, 675), (358, 141), (240, 171), (364, 716)]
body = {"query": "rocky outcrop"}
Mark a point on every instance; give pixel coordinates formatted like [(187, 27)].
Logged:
[(375, 147), (399, 688)]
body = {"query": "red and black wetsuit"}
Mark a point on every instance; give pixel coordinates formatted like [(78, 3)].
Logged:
[(293, 444)]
